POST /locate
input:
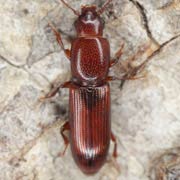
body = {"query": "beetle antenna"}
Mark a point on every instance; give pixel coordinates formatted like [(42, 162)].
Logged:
[(67, 5), (103, 8)]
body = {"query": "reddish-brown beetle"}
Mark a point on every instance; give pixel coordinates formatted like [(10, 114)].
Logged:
[(89, 98)]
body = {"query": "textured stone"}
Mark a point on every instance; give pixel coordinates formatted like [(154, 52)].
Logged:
[(145, 112)]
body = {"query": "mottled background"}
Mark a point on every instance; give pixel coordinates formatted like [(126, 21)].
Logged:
[(145, 112)]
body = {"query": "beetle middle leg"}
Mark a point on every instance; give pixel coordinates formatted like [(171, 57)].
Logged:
[(118, 54), (128, 68), (59, 40), (65, 127), (113, 78), (54, 90), (131, 71)]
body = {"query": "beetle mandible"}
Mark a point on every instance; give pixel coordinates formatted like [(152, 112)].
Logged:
[(89, 92)]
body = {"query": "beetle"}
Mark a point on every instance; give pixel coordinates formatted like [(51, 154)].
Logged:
[(89, 92)]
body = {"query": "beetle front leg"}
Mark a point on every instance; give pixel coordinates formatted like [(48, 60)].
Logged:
[(59, 40), (65, 127), (117, 56)]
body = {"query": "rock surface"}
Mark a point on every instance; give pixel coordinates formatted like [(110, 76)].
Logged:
[(145, 112)]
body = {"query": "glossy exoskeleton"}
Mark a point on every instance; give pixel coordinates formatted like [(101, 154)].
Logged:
[(89, 92)]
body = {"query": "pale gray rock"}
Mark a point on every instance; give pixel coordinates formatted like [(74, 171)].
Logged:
[(145, 112)]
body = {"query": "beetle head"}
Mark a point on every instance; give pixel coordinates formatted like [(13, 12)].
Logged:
[(89, 22)]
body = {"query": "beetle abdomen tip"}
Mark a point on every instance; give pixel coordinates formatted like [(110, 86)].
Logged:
[(90, 163)]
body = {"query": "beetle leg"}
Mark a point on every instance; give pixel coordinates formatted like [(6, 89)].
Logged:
[(65, 127), (54, 90), (113, 138), (117, 56), (59, 40), (113, 78), (129, 70)]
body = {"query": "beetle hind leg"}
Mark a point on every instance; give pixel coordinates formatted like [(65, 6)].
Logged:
[(64, 128), (113, 138)]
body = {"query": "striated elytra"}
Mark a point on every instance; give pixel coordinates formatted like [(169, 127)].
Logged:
[(89, 92)]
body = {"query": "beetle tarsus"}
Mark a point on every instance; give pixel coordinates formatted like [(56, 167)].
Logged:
[(113, 138), (64, 128)]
